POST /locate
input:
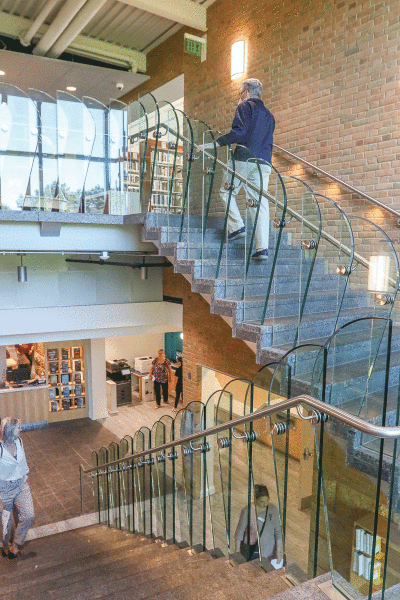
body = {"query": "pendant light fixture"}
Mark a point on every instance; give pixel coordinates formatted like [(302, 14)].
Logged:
[(22, 272)]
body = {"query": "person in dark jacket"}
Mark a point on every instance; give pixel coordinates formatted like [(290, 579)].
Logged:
[(178, 384), (252, 130)]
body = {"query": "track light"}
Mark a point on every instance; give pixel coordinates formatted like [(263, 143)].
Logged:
[(22, 272)]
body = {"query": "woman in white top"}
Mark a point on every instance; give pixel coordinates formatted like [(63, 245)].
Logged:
[(14, 487)]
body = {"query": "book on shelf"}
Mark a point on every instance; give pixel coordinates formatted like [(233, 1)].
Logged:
[(65, 379), (53, 367), (66, 391), (77, 365), (65, 353), (53, 379), (364, 542), (79, 402), (66, 404), (54, 406), (78, 390), (52, 393), (78, 377), (64, 367), (76, 351), (52, 354)]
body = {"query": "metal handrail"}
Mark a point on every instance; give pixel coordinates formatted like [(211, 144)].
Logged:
[(342, 183), (324, 408)]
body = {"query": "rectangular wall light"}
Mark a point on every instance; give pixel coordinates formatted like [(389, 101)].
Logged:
[(378, 273), (238, 59)]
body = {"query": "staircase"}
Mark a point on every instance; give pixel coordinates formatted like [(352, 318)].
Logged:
[(98, 563)]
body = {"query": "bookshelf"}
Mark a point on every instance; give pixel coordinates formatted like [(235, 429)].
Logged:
[(373, 558), (65, 371)]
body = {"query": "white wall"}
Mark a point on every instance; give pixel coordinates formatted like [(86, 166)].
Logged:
[(54, 282), (68, 323), (131, 346)]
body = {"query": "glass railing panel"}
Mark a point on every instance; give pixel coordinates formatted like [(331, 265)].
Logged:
[(44, 173), (333, 267), (149, 146), (103, 483), (182, 494), (97, 178), (118, 196), (201, 187), (159, 481), (354, 372), (137, 153), (126, 485), (19, 135), (168, 481), (167, 194), (298, 302), (114, 488), (192, 467), (356, 504), (140, 484), (76, 133), (239, 236), (94, 461), (216, 532), (265, 198), (218, 176), (234, 462), (187, 148), (391, 545)]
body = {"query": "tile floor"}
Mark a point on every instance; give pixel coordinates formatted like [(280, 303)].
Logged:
[(54, 453)]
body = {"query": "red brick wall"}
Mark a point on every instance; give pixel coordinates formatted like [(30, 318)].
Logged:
[(331, 77), (218, 351)]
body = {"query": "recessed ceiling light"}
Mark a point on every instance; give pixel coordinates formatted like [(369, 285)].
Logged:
[(2, 72), (71, 88)]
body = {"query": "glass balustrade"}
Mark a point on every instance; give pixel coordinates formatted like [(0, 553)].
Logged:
[(235, 461), (118, 155), (127, 497), (19, 136), (96, 182), (138, 130), (76, 134), (44, 172)]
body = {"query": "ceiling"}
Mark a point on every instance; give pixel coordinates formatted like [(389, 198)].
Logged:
[(49, 75), (41, 40)]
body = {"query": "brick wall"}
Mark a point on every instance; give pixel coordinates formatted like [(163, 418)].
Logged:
[(218, 351)]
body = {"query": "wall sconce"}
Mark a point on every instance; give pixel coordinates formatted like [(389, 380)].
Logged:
[(22, 272), (378, 273), (181, 335), (238, 59)]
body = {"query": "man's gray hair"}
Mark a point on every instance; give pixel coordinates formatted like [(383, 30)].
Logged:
[(254, 87), (9, 426)]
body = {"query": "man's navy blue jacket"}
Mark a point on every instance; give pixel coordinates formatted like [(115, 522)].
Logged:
[(253, 126)]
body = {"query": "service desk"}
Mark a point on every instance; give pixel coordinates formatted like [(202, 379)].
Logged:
[(30, 403)]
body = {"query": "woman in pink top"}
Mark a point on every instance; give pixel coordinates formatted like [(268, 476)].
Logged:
[(161, 374)]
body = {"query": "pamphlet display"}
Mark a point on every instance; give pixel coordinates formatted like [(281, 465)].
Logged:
[(66, 378)]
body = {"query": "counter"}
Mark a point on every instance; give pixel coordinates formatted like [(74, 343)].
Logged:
[(30, 403)]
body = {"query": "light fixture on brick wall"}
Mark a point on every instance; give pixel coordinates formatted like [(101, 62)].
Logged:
[(378, 273), (238, 59)]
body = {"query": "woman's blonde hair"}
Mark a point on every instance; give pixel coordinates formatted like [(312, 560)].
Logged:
[(9, 426)]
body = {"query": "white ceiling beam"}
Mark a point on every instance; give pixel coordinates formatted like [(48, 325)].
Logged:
[(58, 25), (13, 26), (185, 12)]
